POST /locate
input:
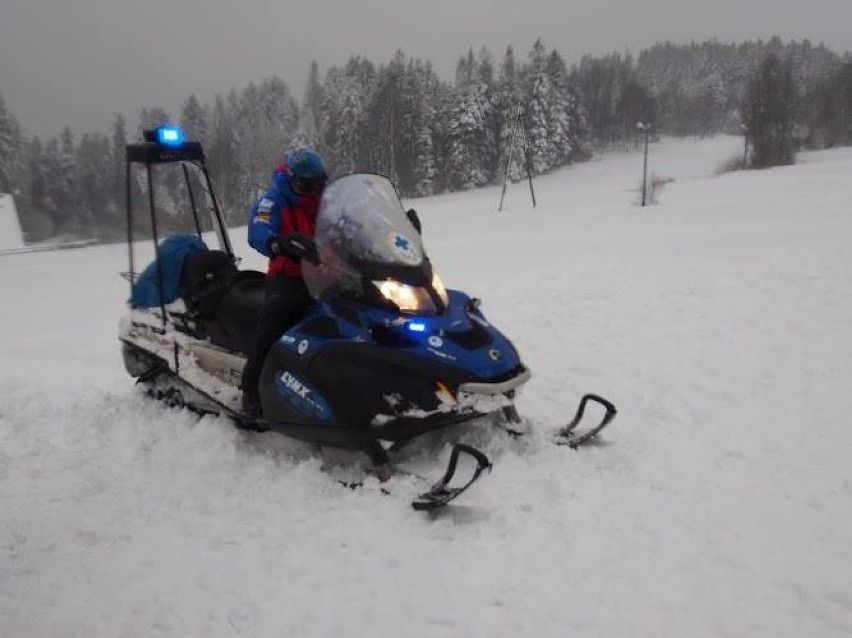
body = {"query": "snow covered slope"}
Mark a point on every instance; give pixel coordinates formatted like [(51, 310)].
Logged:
[(718, 503)]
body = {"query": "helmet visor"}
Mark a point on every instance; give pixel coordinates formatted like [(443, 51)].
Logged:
[(308, 185)]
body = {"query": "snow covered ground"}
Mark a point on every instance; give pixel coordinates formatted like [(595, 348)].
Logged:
[(719, 503)]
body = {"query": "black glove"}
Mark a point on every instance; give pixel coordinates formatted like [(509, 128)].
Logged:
[(296, 246)]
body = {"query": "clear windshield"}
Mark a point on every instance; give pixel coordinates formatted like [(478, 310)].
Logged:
[(361, 223)]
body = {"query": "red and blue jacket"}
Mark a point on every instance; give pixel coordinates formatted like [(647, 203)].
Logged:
[(281, 212)]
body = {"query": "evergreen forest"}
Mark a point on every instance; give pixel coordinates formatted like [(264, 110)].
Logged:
[(432, 135)]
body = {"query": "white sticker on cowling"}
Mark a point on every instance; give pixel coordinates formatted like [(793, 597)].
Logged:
[(303, 346), (436, 341)]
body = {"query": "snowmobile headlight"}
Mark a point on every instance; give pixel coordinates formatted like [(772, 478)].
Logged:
[(438, 285), (413, 299)]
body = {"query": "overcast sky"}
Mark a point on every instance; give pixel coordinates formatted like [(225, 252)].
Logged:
[(78, 62)]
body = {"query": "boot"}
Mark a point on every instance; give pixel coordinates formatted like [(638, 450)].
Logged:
[(252, 410)]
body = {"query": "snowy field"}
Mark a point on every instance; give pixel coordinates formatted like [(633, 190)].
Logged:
[(719, 503)]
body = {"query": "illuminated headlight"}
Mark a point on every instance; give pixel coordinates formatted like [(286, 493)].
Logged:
[(438, 285), (414, 299), (406, 298)]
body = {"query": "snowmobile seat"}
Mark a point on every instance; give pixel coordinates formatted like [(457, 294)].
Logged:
[(205, 278), (238, 310)]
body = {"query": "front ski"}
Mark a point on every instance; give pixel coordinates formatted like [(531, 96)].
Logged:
[(573, 437), (441, 493)]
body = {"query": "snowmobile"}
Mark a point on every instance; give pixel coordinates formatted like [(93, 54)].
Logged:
[(385, 353)]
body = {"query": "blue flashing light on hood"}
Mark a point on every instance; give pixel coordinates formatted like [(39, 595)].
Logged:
[(416, 326)]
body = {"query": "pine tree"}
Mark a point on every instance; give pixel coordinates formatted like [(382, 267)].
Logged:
[(266, 125), (346, 97), (561, 112), (426, 164), (507, 97), (151, 118), (466, 71), (35, 222), (487, 96), (117, 170), (92, 175), (829, 110), (416, 157), (768, 111), (12, 166), (56, 194), (467, 161), (193, 119), (311, 115), (537, 107), (344, 105), (634, 105), (385, 120), (472, 140), (37, 187), (69, 180), (220, 151)]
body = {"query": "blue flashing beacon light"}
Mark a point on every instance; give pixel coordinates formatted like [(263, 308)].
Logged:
[(418, 327), (169, 136)]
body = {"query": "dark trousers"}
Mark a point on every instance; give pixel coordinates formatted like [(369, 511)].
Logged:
[(286, 301)]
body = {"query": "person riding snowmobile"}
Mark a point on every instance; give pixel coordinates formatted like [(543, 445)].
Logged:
[(281, 227)]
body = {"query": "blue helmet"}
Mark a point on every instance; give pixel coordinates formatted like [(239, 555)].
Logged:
[(305, 163), (305, 171)]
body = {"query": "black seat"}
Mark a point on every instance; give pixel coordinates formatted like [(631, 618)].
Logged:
[(238, 310), (205, 278), (226, 300)]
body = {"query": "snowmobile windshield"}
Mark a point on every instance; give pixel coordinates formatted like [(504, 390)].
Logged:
[(370, 250)]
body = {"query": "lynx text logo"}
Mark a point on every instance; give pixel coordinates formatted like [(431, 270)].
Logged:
[(302, 398), (295, 385)]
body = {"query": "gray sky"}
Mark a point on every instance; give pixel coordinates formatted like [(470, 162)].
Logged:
[(77, 62)]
